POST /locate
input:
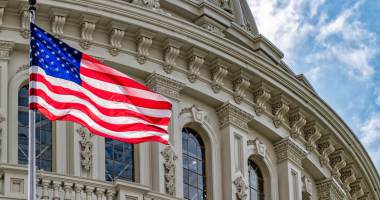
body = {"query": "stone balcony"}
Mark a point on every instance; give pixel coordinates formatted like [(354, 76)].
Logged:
[(13, 185)]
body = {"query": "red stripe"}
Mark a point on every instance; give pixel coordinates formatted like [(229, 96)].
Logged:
[(140, 102), (110, 78), (84, 109), (69, 117), (106, 111)]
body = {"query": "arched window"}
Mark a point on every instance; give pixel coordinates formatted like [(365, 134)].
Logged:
[(119, 160), (194, 177), (44, 147), (256, 181)]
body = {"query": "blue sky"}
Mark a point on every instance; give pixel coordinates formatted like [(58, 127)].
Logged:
[(336, 44)]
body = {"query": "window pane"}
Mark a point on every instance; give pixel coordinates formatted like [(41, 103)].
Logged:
[(119, 160), (193, 169), (256, 183)]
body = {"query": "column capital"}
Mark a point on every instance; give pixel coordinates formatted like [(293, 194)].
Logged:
[(6, 48), (165, 85), (287, 149), (330, 189), (230, 114)]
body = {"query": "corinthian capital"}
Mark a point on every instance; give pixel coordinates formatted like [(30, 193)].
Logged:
[(232, 115), (6, 48), (164, 85)]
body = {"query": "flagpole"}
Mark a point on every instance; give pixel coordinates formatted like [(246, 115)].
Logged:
[(32, 125)]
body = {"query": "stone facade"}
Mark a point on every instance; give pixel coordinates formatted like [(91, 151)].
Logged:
[(225, 80)]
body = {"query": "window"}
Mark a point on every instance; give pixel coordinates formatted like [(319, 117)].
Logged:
[(44, 147), (256, 182), (119, 160), (194, 177)]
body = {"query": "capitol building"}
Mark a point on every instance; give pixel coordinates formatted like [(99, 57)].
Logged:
[(244, 125)]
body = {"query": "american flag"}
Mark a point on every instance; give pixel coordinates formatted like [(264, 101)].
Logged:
[(66, 84)]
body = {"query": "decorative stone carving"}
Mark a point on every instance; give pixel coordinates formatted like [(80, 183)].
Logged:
[(307, 190), (78, 190), (210, 25), (58, 20), (297, 121), (6, 48), (45, 189), (226, 5), (241, 83), (99, 193), (259, 148), (110, 194), (218, 72), (337, 162), (56, 189), (87, 30), (24, 20), (325, 148), (357, 189), (231, 115), (172, 50), (196, 60), (261, 95), (312, 132), (164, 85), (288, 150), (144, 41), (199, 115), (3, 4), (117, 32), (241, 188), (86, 148), (347, 176), (68, 189), (152, 4), (329, 189), (280, 106), (169, 165)]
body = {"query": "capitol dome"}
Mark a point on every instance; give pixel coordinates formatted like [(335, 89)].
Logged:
[(244, 125)]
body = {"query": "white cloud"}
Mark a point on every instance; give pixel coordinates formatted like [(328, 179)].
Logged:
[(314, 74), (371, 137)]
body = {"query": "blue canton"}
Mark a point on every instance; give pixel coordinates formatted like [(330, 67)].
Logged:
[(54, 56)]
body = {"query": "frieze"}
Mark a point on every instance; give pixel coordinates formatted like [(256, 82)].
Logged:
[(232, 115), (289, 150), (164, 85)]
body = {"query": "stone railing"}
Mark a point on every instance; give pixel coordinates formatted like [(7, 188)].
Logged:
[(13, 185)]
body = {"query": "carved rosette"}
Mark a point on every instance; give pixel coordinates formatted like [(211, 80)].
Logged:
[(231, 115), (329, 189), (241, 188), (169, 165), (86, 148), (218, 72), (280, 107), (347, 176), (116, 35), (297, 121), (325, 148), (241, 83), (356, 191), (58, 20), (312, 132), (172, 50), (261, 95), (337, 162), (144, 41), (196, 60), (6, 48), (307, 190), (164, 85), (87, 30), (259, 148), (288, 150)]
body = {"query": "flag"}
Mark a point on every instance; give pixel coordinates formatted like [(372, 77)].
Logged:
[(66, 84)]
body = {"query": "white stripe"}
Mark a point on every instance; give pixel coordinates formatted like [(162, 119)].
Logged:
[(102, 68), (159, 113), (74, 99), (91, 123), (120, 89)]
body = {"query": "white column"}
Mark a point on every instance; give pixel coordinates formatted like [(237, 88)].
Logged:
[(6, 48), (233, 128), (171, 89), (289, 167)]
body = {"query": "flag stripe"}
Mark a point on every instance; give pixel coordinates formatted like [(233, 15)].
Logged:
[(131, 137)]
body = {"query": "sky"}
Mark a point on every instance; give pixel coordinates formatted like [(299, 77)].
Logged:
[(336, 45)]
